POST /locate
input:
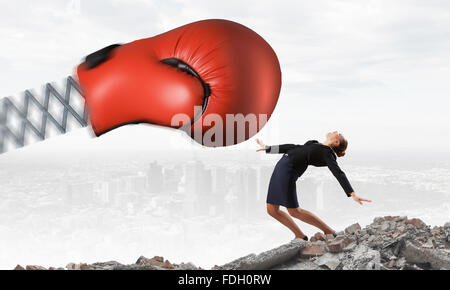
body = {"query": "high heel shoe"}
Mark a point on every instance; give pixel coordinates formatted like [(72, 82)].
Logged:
[(304, 238)]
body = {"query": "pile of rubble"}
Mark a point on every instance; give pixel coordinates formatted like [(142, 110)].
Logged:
[(143, 263), (390, 242)]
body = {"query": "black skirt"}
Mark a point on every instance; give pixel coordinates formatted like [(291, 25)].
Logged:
[(282, 188)]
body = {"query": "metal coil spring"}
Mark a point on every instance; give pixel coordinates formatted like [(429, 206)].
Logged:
[(9, 111)]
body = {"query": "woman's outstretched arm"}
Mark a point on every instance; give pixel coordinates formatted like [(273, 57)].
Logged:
[(283, 148), (338, 173), (342, 178)]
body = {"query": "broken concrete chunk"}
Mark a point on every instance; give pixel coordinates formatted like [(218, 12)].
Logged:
[(267, 259), (110, 265), (400, 263), (239, 264), (378, 220), (319, 236), (338, 244), (415, 222), (157, 261), (436, 258), (299, 265), (313, 250), (362, 258), (332, 261), (350, 247), (352, 229), (447, 231), (340, 233), (34, 267), (428, 244), (329, 237), (72, 266), (188, 266), (385, 226), (168, 265)]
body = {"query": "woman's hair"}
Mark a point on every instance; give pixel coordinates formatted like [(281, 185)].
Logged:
[(340, 149)]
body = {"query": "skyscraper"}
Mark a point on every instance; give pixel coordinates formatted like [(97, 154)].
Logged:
[(155, 178)]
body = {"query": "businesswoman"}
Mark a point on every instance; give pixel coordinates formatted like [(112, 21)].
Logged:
[(296, 158)]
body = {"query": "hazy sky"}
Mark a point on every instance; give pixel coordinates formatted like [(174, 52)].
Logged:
[(377, 71)]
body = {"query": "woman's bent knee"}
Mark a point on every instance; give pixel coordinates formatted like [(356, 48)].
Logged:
[(273, 209), (293, 211)]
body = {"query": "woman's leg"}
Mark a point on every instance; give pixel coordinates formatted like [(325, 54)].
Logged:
[(310, 218), (285, 219)]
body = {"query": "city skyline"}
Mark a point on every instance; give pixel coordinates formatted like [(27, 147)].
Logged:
[(198, 200)]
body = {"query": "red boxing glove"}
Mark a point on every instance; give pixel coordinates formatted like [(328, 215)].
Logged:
[(216, 79)]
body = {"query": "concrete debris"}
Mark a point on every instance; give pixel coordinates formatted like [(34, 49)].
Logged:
[(298, 264), (330, 260), (352, 229), (34, 267), (415, 222), (447, 231), (313, 249), (362, 258), (338, 244), (329, 237), (388, 243), (318, 237), (110, 265), (428, 258), (267, 259), (143, 263), (156, 261)]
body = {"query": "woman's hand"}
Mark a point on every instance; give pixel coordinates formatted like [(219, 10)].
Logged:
[(359, 199), (261, 144)]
